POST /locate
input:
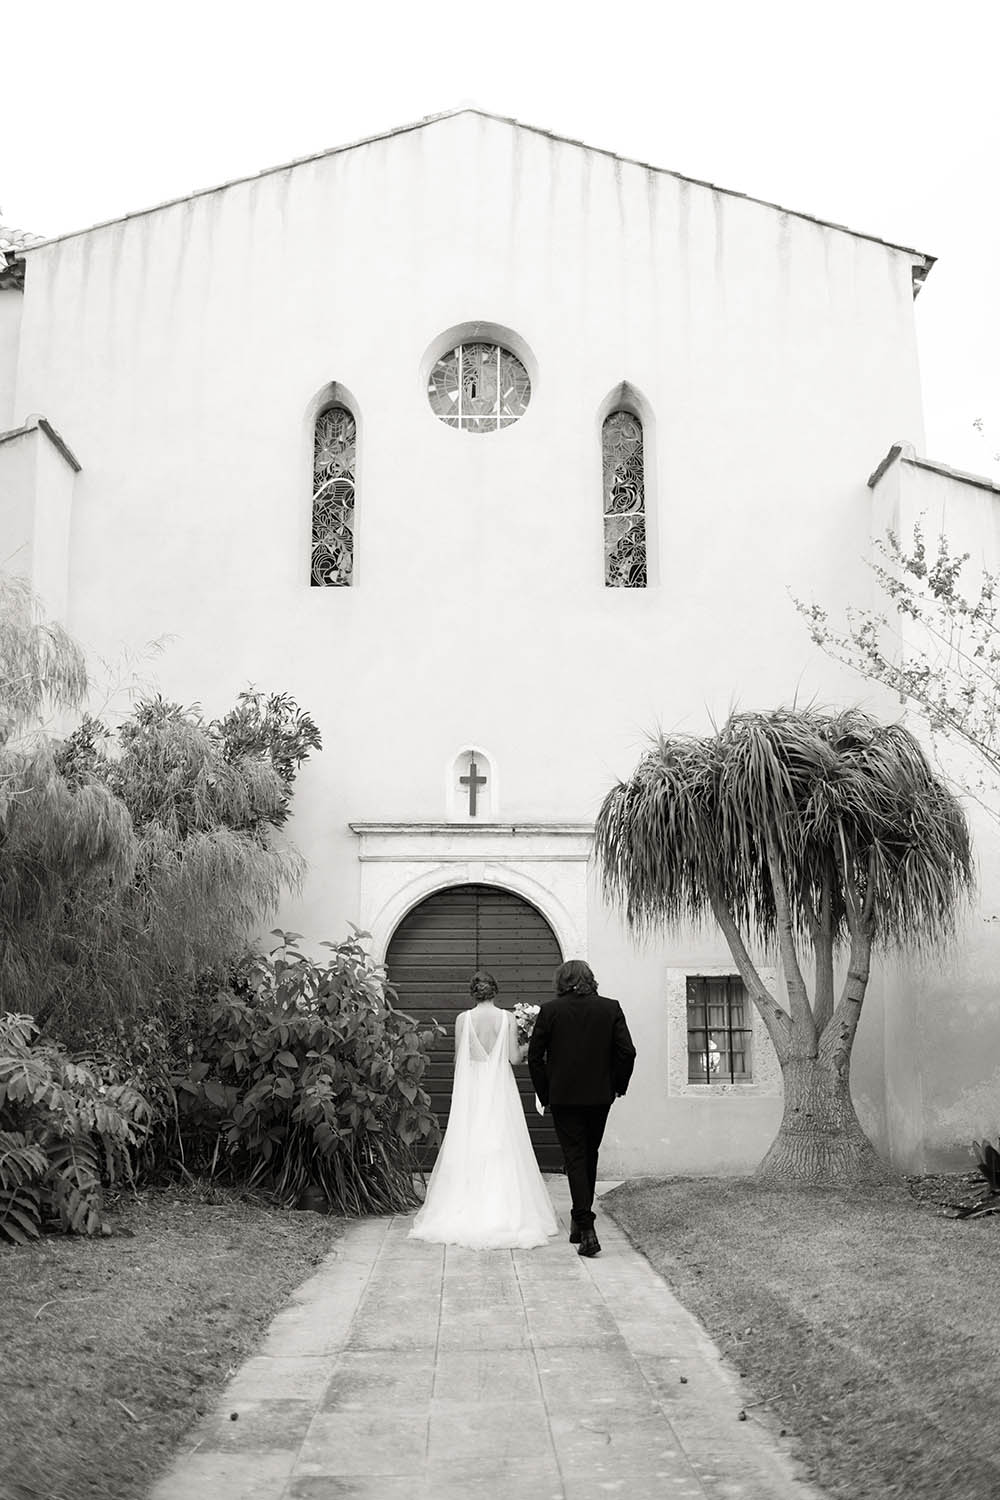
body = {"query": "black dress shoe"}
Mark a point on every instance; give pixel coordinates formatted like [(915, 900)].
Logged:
[(589, 1244), (574, 1234)]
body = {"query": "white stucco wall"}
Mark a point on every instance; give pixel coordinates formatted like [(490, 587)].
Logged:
[(36, 494), (942, 1012), (10, 334), (18, 489), (184, 351)]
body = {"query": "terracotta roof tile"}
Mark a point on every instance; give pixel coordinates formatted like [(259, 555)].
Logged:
[(12, 242)]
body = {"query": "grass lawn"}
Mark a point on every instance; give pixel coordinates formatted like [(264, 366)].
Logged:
[(110, 1348), (869, 1325)]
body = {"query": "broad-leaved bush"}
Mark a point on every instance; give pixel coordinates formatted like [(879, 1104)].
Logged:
[(306, 1080), (67, 1131)]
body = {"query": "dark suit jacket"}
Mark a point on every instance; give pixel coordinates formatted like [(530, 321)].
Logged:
[(580, 1051)]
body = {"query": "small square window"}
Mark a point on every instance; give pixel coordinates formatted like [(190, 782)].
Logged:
[(719, 1029)]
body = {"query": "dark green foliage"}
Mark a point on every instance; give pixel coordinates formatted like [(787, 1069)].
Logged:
[(273, 727), (147, 1054), (66, 1130), (988, 1158), (130, 863), (41, 667), (177, 772), (199, 866), (306, 1077), (23, 1165), (843, 810)]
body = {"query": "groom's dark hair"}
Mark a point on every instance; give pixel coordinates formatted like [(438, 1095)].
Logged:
[(575, 978)]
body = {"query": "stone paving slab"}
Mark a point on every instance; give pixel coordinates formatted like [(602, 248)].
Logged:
[(404, 1369)]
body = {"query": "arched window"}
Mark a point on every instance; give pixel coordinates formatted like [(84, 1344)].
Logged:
[(624, 502), (334, 457)]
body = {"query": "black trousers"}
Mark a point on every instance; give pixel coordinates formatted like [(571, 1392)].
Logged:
[(580, 1130)]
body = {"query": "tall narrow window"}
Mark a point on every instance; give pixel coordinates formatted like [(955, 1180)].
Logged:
[(719, 1030), (624, 502), (334, 457)]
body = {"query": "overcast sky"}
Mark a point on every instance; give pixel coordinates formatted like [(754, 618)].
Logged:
[(882, 116)]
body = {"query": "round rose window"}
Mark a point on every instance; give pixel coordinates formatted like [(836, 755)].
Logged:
[(479, 387)]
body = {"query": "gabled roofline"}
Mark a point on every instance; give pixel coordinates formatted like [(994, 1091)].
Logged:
[(906, 453), (919, 271), (42, 424)]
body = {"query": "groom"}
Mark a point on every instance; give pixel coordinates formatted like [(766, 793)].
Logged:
[(580, 1058)]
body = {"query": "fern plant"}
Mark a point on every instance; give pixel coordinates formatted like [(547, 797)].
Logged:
[(65, 1132), (23, 1166)]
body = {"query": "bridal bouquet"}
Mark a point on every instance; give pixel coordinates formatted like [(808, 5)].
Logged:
[(524, 1019)]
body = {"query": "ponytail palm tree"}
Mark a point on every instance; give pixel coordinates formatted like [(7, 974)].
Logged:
[(818, 834)]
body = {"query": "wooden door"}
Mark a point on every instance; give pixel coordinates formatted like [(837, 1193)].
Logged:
[(431, 958)]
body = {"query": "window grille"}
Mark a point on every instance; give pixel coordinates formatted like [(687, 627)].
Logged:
[(718, 1029), (334, 457), (479, 388), (624, 502)]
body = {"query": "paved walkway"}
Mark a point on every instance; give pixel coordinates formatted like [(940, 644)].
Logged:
[(404, 1371)]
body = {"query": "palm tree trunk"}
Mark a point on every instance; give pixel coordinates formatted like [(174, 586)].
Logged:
[(820, 1139)]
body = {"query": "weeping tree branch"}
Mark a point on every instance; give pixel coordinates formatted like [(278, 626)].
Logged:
[(123, 876)]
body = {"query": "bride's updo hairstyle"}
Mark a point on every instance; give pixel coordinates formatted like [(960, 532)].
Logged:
[(575, 978), (482, 986)]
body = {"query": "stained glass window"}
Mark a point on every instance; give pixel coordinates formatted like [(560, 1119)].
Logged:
[(624, 502), (334, 456), (479, 387), (718, 1029)]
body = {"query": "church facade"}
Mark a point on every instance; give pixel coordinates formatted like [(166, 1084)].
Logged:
[(498, 452)]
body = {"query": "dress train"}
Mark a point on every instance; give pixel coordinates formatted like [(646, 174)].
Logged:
[(486, 1191)]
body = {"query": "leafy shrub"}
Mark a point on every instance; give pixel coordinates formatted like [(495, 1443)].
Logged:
[(988, 1158), (65, 1130), (274, 727), (147, 1054), (133, 861), (306, 1081)]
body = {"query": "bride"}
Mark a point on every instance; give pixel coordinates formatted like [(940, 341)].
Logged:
[(485, 1191)]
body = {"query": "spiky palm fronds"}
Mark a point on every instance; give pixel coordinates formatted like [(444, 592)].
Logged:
[(844, 811), (655, 834)]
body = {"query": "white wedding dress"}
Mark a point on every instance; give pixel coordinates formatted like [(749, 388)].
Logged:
[(485, 1191)]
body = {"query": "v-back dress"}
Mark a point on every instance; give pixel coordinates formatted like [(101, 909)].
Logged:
[(486, 1191)]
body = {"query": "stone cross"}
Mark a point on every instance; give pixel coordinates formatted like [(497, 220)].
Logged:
[(473, 782)]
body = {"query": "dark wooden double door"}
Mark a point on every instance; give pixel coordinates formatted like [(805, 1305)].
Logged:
[(433, 954)]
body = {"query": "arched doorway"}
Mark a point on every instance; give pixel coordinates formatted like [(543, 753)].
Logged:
[(430, 959)]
